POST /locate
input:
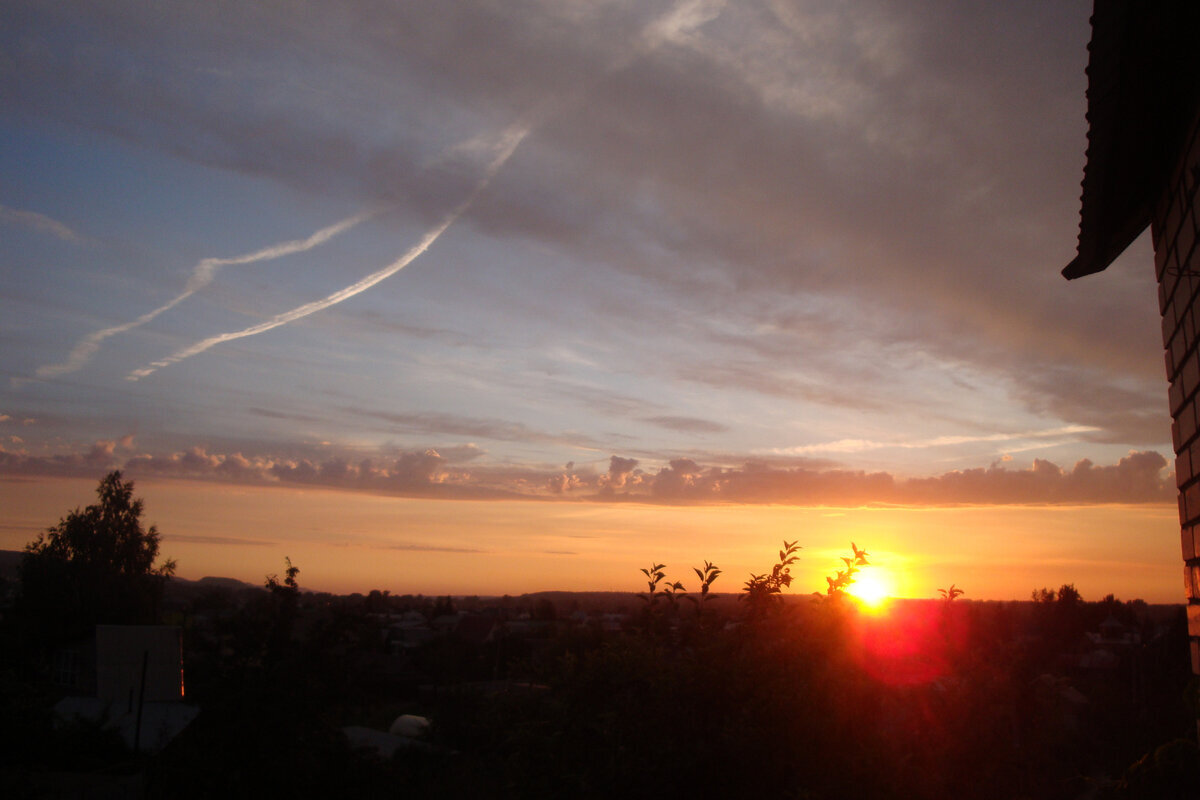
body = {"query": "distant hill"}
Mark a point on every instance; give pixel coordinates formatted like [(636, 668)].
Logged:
[(10, 562), (209, 582), (184, 590)]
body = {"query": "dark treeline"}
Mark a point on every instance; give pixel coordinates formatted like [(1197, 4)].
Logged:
[(638, 695)]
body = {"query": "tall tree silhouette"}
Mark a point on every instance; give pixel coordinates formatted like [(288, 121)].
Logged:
[(95, 566)]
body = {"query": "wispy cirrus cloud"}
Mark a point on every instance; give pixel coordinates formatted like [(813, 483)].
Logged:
[(772, 382), (221, 540), (432, 548), (863, 445), (687, 424), (443, 424), (271, 413), (36, 221)]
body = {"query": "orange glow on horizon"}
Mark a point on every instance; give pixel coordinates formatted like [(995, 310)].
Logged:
[(352, 542)]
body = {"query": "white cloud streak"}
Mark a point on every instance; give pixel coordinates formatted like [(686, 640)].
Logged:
[(202, 275), (507, 144), (861, 445)]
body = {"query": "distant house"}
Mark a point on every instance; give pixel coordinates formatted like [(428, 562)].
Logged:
[(130, 677), (613, 622), (407, 631), (1108, 644), (1143, 169), (478, 629), (445, 623)]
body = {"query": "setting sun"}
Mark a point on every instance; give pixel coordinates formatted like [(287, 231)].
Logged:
[(871, 587)]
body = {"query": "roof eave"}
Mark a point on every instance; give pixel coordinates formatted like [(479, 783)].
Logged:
[(1142, 92)]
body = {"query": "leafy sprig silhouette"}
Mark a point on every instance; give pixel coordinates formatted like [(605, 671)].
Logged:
[(949, 594), (760, 588), (839, 582)]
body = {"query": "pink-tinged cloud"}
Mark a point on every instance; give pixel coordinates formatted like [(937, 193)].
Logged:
[(685, 481), (101, 453), (621, 473), (1140, 477), (564, 482), (403, 473)]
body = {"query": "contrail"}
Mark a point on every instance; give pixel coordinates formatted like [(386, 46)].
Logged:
[(681, 20), (508, 143), (202, 275)]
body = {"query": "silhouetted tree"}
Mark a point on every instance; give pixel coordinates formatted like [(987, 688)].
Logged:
[(288, 589), (378, 602), (1060, 616), (544, 610), (285, 601), (1068, 595), (95, 566), (444, 607)]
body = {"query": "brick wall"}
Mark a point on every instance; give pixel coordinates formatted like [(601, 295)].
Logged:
[(1175, 225)]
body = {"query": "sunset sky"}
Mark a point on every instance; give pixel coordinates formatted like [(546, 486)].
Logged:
[(483, 297)]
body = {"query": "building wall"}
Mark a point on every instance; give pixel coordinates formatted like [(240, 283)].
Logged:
[(133, 658), (1175, 226)]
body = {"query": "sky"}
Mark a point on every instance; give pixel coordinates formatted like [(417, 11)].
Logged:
[(432, 293)]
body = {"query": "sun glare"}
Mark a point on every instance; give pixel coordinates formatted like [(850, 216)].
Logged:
[(871, 587)]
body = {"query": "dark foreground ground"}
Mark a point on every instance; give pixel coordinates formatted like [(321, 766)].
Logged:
[(610, 695)]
